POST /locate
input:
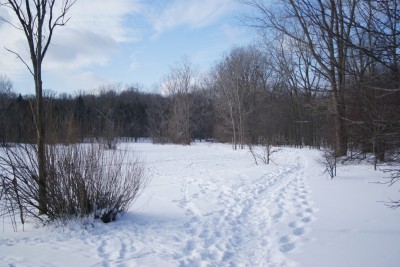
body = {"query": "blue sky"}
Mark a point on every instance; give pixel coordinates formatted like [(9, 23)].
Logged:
[(127, 42)]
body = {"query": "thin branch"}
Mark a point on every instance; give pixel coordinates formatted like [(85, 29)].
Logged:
[(59, 21), (20, 58), (11, 24)]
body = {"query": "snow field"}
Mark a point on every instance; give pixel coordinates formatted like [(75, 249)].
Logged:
[(234, 210), (207, 205)]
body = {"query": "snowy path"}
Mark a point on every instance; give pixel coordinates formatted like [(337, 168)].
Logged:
[(244, 227), (207, 205), (227, 213)]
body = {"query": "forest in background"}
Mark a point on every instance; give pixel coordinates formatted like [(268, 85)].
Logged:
[(326, 73), (242, 101)]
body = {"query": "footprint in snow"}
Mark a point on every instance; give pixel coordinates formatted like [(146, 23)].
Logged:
[(190, 246), (284, 239), (287, 247), (298, 231), (293, 225), (277, 215)]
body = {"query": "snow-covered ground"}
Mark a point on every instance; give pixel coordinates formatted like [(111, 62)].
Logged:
[(207, 205)]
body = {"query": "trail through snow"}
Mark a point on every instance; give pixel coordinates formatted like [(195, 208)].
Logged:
[(206, 205), (244, 225), (218, 209)]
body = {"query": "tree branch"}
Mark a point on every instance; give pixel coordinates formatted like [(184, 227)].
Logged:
[(20, 58), (59, 21)]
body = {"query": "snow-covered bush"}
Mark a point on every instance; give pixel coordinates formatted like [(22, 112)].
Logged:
[(82, 181)]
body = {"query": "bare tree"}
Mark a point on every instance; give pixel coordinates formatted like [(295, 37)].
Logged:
[(203, 112), (295, 72), (157, 115), (6, 85), (179, 85), (325, 27), (38, 19), (238, 78)]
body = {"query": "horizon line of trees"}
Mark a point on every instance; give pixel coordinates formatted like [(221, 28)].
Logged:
[(244, 99), (325, 74)]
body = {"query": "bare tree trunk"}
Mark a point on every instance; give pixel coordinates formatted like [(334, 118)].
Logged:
[(234, 141), (33, 20), (325, 28), (180, 87), (41, 140)]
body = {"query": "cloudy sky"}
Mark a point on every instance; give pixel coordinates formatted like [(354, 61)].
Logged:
[(126, 42)]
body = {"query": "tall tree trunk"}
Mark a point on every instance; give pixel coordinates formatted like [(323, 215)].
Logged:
[(32, 17), (341, 139), (41, 140)]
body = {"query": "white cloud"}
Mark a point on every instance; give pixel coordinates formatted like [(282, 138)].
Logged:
[(75, 49), (93, 34), (194, 13), (105, 17), (14, 40), (4, 16), (98, 30), (73, 82), (88, 80)]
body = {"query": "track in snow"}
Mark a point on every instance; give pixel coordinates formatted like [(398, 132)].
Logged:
[(209, 206), (255, 221), (233, 216)]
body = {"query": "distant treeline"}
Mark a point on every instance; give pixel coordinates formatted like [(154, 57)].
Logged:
[(239, 102)]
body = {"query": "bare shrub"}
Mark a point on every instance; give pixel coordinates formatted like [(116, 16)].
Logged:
[(394, 176), (82, 181), (19, 181), (8, 205), (266, 151), (116, 182), (329, 161), (392, 169), (108, 142)]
